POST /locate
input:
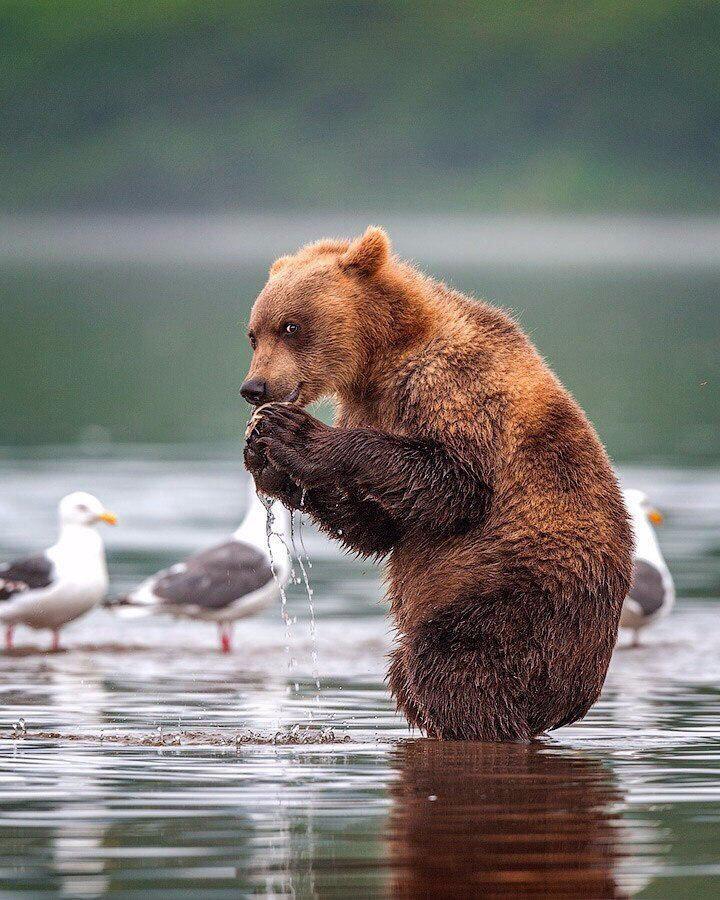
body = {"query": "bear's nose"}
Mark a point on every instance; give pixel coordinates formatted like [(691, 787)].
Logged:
[(254, 390)]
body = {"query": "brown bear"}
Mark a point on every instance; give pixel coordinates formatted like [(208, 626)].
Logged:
[(457, 454)]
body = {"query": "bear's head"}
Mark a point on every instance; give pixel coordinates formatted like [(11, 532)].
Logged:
[(315, 323)]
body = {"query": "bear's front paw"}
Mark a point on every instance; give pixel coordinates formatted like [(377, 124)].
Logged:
[(286, 438), (274, 483)]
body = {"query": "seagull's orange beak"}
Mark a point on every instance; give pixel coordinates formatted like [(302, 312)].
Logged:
[(655, 516), (108, 517)]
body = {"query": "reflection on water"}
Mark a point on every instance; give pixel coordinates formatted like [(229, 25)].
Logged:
[(78, 838), (131, 778), (490, 820)]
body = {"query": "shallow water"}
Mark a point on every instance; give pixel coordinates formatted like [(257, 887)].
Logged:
[(150, 762)]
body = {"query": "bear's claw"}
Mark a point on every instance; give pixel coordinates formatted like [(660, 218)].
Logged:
[(282, 435)]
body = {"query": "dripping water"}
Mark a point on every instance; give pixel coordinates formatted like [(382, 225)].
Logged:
[(267, 502), (305, 564)]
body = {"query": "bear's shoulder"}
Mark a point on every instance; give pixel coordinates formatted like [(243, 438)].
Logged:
[(472, 338), (446, 390)]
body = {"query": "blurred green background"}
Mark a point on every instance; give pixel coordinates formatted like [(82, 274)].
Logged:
[(474, 105), (116, 114)]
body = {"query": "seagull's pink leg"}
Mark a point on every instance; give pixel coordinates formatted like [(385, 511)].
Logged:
[(9, 637), (55, 639), (225, 634)]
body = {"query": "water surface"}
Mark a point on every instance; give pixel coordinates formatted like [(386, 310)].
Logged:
[(139, 759), (150, 762)]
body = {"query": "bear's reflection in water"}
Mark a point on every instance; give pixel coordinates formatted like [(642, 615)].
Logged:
[(473, 819)]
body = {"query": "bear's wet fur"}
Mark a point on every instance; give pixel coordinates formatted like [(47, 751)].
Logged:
[(457, 455)]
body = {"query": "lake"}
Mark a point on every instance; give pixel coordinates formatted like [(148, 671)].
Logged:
[(134, 331), (140, 759), (149, 761)]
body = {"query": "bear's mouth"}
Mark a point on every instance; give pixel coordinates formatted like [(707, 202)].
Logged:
[(294, 394)]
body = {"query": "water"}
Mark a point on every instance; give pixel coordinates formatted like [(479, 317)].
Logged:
[(140, 759), (151, 762), (156, 353)]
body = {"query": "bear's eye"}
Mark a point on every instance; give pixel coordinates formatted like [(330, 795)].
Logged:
[(251, 338), (291, 328)]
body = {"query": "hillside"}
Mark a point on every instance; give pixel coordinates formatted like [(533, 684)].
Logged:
[(506, 106)]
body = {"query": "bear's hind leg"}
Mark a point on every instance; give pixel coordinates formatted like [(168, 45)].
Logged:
[(464, 683), (398, 683)]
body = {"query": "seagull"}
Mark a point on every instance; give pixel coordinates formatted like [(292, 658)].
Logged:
[(652, 594), (227, 581), (64, 582)]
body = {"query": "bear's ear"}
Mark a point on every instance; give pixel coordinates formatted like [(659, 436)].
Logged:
[(368, 253), (279, 264)]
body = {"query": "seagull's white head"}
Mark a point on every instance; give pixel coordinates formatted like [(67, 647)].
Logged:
[(80, 508), (638, 503)]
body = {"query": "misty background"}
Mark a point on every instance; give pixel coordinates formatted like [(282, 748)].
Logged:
[(559, 159)]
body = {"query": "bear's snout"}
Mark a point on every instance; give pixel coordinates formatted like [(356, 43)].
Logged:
[(255, 391)]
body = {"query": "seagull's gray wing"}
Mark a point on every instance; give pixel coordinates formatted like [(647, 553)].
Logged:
[(215, 578), (648, 587), (32, 573)]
